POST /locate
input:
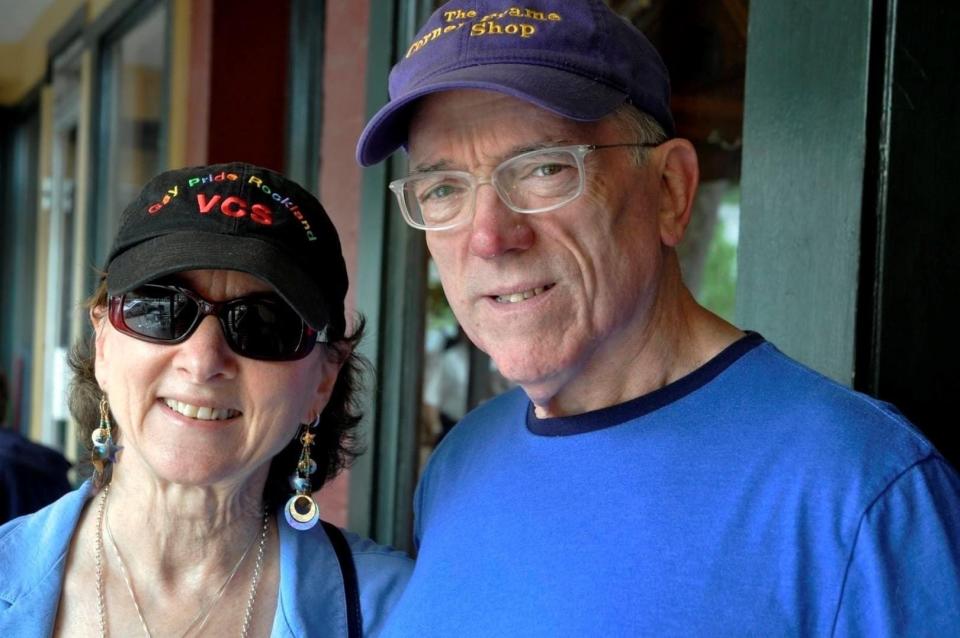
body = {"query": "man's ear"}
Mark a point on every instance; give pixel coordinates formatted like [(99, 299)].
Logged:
[(680, 174), (98, 317)]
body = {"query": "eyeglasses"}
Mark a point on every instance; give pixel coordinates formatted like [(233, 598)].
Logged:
[(260, 327), (532, 182)]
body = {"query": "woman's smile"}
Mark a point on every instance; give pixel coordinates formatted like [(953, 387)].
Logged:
[(202, 413)]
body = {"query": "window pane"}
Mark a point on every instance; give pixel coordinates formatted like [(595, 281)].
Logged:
[(704, 44), (17, 294), (59, 204), (456, 377), (133, 104)]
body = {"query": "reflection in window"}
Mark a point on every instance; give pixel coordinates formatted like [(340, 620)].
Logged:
[(59, 205), (18, 223), (457, 377), (703, 44), (134, 100)]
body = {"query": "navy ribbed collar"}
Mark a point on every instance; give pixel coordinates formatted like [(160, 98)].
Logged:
[(634, 408)]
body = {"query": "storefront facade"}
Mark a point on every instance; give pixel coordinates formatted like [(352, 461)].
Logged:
[(827, 130)]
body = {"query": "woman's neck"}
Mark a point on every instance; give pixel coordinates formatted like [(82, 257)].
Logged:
[(182, 536), (191, 574)]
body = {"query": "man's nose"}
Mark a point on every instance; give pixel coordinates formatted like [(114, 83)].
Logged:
[(495, 229)]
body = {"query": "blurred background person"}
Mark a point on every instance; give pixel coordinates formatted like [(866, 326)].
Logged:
[(31, 475)]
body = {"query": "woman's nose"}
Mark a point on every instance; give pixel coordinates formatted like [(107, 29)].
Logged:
[(205, 355)]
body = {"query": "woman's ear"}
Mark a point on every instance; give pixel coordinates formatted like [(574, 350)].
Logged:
[(98, 318), (330, 364), (680, 174)]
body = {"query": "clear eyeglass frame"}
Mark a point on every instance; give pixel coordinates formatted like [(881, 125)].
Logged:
[(402, 188)]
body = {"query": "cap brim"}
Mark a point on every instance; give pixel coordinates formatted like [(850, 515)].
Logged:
[(564, 93), (179, 251)]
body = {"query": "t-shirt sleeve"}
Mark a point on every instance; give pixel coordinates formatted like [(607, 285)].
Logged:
[(383, 575), (903, 578)]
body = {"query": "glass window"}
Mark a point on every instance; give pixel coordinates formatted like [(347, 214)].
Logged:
[(133, 109), (19, 227), (704, 45), (456, 377), (59, 204)]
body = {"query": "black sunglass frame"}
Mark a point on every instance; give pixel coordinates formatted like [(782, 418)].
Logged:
[(305, 343)]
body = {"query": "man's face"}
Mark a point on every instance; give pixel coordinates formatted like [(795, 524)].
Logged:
[(557, 299)]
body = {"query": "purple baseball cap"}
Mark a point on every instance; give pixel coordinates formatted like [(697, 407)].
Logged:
[(575, 58)]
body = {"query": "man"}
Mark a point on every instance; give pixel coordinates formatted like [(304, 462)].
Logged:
[(661, 472)]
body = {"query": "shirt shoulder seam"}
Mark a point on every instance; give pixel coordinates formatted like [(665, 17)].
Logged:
[(932, 457)]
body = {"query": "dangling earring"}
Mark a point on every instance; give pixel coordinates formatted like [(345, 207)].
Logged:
[(104, 449), (301, 511)]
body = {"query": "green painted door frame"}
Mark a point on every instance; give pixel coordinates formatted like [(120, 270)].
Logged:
[(804, 148), (305, 93), (847, 256), (390, 293)]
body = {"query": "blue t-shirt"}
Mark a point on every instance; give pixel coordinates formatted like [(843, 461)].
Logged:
[(751, 497)]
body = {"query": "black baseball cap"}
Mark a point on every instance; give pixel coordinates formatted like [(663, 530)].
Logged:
[(234, 216)]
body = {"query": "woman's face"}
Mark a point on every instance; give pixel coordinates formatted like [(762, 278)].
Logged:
[(158, 393)]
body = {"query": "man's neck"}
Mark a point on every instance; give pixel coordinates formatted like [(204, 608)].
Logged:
[(679, 337)]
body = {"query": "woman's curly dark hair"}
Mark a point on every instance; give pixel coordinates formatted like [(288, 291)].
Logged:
[(336, 444)]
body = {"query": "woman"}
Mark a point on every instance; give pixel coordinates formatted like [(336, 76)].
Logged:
[(218, 395)]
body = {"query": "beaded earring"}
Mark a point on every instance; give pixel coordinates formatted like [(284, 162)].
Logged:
[(104, 450), (301, 510)]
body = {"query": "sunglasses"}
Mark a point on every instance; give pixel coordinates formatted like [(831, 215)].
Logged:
[(260, 326)]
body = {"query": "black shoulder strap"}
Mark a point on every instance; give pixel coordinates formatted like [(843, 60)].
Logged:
[(348, 570)]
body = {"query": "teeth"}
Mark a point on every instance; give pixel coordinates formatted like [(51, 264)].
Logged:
[(520, 296), (201, 413)]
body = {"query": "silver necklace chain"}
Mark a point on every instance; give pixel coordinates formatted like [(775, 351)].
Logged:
[(204, 614), (99, 556)]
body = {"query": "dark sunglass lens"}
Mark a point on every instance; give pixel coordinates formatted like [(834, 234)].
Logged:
[(264, 328), (155, 312)]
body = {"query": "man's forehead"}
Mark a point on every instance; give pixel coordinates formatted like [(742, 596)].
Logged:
[(462, 107), (449, 119)]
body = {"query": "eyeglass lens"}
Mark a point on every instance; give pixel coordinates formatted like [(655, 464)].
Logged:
[(531, 182), (255, 327)]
